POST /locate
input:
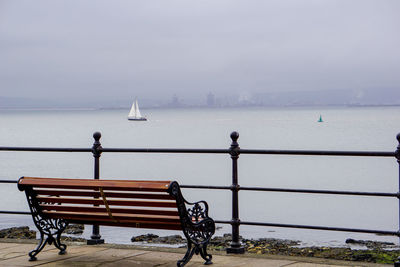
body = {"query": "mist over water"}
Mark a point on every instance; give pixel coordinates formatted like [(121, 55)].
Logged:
[(364, 129)]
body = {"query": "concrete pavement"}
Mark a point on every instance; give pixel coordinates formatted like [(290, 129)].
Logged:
[(15, 254)]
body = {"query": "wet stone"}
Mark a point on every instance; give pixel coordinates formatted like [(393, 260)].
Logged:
[(74, 229), (151, 238), (370, 244), (72, 239), (146, 238), (22, 232), (376, 252)]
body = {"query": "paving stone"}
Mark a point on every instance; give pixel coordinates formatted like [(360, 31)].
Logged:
[(73, 264), (108, 255), (8, 245), (306, 264), (15, 254), (159, 257), (244, 261), (132, 262), (48, 254), (17, 250)]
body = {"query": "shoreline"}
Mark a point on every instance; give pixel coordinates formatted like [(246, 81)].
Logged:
[(197, 107), (221, 258), (356, 251)]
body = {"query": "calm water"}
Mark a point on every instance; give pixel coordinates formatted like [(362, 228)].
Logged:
[(285, 128)]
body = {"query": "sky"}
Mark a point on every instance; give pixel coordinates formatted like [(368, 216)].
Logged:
[(100, 50)]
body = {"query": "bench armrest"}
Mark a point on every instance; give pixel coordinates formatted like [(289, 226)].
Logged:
[(198, 211), (196, 225)]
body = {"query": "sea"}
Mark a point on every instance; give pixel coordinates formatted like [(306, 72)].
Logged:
[(295, 128)]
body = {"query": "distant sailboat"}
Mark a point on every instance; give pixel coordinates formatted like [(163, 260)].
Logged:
[(134, 113), (320, 119)]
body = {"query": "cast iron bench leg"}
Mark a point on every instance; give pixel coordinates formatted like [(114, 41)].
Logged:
[(49, 228), (198, 248), (40, 246), (49, 240), (52, 228), (59, 245), (207, 257), (189, 254)]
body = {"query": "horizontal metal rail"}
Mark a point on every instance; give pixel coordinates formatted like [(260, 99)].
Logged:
[(287, 190), (119, 150), (8, 181), (331, 192), (15, 212), (45, 149), (328, 228), (166, 150), (207, 151), (206, 187), (319, 153)]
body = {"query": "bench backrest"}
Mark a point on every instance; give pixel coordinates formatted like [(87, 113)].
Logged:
[(143, 204)]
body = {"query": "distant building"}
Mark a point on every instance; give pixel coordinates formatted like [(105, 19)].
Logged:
[(210, 100), (175, 102)]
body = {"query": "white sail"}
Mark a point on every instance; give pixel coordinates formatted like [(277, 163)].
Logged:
[(134, 113), (138, 115)]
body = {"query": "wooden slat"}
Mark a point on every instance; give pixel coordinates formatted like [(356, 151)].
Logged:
[(116, 210), (123, 223), (110, 202), (107, 194), (116, 216), (124, 185), (149, 225), (88, 207)]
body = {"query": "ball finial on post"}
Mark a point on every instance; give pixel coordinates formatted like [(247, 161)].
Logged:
[(397, 152), (97, 136), (96, 148), (234, 137)]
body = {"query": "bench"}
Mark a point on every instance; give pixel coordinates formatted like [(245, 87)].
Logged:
[(55, 202)]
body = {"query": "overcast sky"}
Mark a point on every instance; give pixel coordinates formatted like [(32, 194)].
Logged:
[(100, 49)]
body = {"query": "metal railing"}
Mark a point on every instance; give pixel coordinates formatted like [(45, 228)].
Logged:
[(234, 151)]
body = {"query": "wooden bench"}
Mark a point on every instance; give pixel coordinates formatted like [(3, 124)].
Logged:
[(56, 202)]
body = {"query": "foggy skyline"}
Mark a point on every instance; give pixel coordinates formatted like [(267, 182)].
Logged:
[(118, 50)]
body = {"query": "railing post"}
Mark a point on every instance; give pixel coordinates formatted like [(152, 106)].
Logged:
[(96, 150), (397, 155), (236, 247)]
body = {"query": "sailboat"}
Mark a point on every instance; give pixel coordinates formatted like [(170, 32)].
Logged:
[(320, 118), (134, 113)]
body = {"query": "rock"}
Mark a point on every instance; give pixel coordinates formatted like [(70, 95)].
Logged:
[(369, 243), (285, 247), (18, 232), (224, 240), (141, 238), (363, 257), (171, 239), (74, 229), (150, 238), (72, 239)]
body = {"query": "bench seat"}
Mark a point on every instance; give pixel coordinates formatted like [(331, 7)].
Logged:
[(56, 202)]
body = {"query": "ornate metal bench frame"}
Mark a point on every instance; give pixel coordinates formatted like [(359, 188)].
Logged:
[(197, 226)]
